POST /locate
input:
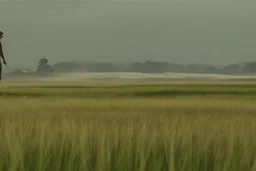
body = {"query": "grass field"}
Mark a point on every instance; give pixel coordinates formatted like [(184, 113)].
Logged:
[(128, 127)]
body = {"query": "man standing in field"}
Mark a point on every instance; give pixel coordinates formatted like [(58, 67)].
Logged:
[(1, 55)]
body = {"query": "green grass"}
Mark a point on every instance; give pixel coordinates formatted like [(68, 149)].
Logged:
[(121, 127), (136, 91)]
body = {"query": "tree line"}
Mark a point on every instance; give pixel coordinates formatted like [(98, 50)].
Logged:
[(155, 67), (142, 67)]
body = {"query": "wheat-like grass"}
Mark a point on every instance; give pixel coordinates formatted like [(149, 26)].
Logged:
[(181, 133)]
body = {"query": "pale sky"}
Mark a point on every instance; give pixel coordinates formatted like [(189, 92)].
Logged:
[(214, 32)]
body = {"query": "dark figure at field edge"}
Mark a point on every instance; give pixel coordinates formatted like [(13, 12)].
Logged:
[(1, 55)]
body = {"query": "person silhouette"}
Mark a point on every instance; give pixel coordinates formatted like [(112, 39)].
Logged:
[(1, 55)]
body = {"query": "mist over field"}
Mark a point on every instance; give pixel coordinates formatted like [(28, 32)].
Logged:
[(208, 32)]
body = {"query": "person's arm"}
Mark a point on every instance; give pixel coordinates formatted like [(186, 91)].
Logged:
[(2, 53)]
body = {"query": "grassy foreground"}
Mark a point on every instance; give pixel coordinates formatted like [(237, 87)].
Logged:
[(128, 128)]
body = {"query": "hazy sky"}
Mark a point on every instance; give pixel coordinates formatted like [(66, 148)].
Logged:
[(181, 31)]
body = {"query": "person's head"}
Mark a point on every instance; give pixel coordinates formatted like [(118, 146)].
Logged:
[(1, 34)]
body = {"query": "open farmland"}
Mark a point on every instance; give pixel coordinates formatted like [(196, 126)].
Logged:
[(128, 126)]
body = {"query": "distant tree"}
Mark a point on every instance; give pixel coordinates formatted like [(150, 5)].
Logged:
[(69, 67), (43, 67), (231, 69), (251, 67)]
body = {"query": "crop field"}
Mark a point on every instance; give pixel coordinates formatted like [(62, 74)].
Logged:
[(128, 127)]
